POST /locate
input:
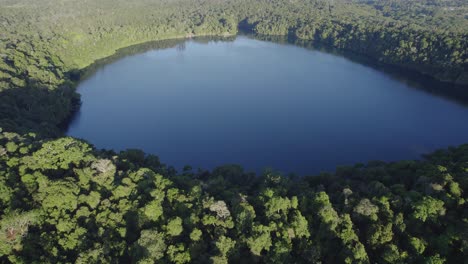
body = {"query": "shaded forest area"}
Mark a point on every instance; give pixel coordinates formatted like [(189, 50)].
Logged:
[(63, 201)]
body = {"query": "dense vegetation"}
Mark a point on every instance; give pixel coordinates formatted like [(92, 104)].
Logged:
[(45, 45), (63, 201)]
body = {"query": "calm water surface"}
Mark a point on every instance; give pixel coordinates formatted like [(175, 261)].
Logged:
[(262, 105)]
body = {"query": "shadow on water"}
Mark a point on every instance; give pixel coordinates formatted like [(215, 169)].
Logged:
[(80, 75), (49, 112), (412, 78), (179, 44)]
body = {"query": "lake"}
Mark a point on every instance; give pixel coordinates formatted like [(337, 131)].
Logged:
[(261, 105)]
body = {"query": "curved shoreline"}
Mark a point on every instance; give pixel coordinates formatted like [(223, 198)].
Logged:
[(455, 90), (292, 40)]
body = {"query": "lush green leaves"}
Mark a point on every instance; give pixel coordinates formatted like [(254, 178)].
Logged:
[(62, 201)]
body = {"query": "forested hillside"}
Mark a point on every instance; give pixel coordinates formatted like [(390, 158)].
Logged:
[(47, 44), (62, 201)]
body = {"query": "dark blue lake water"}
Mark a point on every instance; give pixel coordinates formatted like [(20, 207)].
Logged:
[(261, 105)]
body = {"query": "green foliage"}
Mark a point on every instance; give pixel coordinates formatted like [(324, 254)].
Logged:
[(153, 210), (150, 247), (224, 246), (47, 45), (174, 227), (418, 245), (428, 208), (196, 235), (62, 201), (367, 209), (82, 205), (63, 153), (260, 239), (177, 254), (13, 228)]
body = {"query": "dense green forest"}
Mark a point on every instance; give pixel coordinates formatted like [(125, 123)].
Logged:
[(47, 44), (63, 201)]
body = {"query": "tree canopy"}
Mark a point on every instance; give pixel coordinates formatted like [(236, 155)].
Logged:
[(63, 201)]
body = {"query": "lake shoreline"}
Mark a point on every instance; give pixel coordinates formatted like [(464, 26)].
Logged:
[(451, 89), (248, 65)]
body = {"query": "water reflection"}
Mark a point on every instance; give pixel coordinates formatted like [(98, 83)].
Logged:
[(278, 103)]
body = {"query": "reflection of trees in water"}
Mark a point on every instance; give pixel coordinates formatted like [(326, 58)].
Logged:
[(130, 51), (411, 78), (181, 46)]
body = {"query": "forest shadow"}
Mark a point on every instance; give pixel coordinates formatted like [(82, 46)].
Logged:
[(48, 112), (179, 44), (38, 109), (410, 77)]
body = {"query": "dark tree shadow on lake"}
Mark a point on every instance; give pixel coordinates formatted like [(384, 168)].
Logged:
[(45, 111), (410, 77), (178, 44), (48, 112)]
